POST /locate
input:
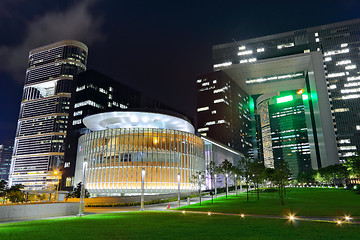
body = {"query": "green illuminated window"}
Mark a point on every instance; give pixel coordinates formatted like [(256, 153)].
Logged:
[(284, 99)]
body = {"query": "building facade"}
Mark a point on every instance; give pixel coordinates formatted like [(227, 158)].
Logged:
[(223, 111), (6, 150), (125, 145), (338, 43), (44, 113), (93, 93)]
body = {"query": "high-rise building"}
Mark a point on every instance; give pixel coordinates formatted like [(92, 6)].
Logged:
[(339, 46), (44, 112), (6, 150), (223, 111), (319, 125)]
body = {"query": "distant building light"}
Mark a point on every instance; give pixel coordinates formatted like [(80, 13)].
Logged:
[(284, 99), (202, 109)]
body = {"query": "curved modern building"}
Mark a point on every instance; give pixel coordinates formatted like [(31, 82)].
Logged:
[(124, 143)]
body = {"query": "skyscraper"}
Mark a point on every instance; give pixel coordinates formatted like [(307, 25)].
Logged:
[(339, 45), (6, 150), (44, 113), (303, 87)]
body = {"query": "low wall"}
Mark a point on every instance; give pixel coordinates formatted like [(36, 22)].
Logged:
[(127, 199), (37, 210)]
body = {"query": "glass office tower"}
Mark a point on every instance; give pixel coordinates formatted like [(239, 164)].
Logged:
[(340, 48), (44, 112), (6, 150)]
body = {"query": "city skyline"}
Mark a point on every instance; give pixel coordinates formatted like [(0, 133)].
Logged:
[(165, 47)]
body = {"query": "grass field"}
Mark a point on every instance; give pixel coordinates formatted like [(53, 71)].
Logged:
[(302, 201), (174, 225)]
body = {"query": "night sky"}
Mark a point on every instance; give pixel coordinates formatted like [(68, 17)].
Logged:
[(158, 47)]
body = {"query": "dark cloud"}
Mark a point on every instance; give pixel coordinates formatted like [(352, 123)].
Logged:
[(76, 22)]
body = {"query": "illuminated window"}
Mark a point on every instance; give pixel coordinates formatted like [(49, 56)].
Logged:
[(214, 81), (260, 50), (76, 122), (284, 99), (344, 45), (327, 59), (285, 45), (343, 62), (202, 109), (225, 64), (353, 78), (205, 84), (344, 141), (209, 123), (316, 34), (341, 110), (219, 100), (203, 129), (77, 113), (247, 52), (339, 74), (351, 90), (68, 182), (348, 148), (352, 96), (213, 112), (199, 80), (242, 47), (306, 50), (349, 67), (317, 39), (335, 52)]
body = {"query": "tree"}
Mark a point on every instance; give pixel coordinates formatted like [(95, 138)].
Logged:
[(212, 170), (352, 164), (198, 179), (257, 174), (332, 172), (226, 169), (3, 189), (14, 194), (76, 192), (281, 176)]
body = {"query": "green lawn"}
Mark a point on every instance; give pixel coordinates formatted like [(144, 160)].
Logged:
[(174, 225), (302, 201)]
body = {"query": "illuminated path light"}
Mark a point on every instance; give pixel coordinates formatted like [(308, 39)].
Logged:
[(290, 217)]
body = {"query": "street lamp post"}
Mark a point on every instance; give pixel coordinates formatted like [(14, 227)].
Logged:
[(236, 185), (200, 188), (178, 178), (227, 189), (240, 184), (56, 197), (82, 192), (215, 185), (142, 188)]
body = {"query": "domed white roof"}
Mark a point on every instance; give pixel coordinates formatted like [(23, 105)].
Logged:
[(132, 119)]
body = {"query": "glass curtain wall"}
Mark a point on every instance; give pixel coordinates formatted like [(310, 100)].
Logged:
[(116, 157)]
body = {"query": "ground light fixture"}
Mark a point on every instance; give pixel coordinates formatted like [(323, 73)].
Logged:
[(291, 217), (338, 222), (242, 215), (142, 188), (347, 218), (183, 212), (209, 213)]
